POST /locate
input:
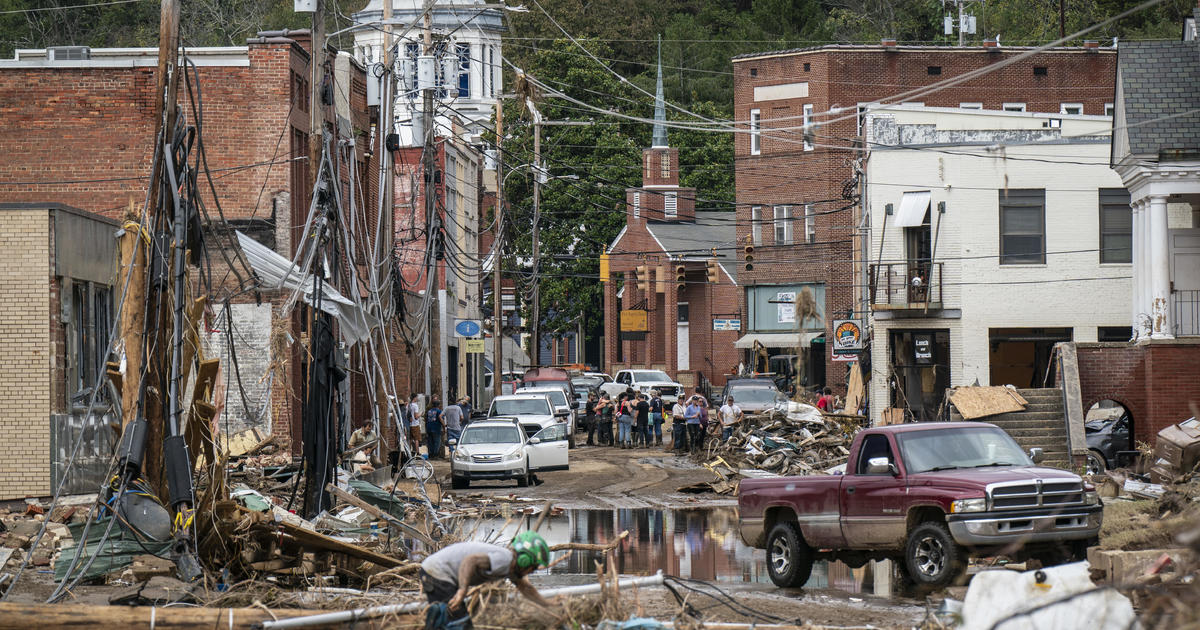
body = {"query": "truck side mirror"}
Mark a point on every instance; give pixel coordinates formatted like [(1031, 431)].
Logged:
[(880, 466), (1037, 455)]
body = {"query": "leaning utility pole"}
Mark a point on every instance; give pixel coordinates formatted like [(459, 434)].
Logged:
[(433, 238), (316, 125), (497, 248), (536, 354)]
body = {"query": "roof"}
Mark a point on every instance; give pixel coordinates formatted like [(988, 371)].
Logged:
[(901, 48), (1159, 79), (711, 230)]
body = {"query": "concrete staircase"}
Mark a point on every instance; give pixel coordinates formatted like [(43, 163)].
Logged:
[(1042, 425)]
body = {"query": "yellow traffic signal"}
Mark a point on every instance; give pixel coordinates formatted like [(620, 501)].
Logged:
[(714, 271), (643, 278), (680, 277)]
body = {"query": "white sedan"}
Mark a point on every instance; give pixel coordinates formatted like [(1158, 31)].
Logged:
[(498, 449)]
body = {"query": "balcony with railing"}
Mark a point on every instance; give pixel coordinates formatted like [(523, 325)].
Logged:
[(910, 284), (1186, 315)]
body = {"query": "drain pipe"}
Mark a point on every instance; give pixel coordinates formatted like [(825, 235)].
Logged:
[(350, 616)]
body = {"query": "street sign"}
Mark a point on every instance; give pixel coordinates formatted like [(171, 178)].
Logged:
[(633, 321), (467, 328), (727, 324), (473, 346)]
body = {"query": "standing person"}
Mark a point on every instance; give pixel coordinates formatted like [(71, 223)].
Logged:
[(433, 429), (624, 421), (365, 434), (415, 422), (730, 415), (641, 434), (605, 409), (825, 402), (679, 426), (449, 573), (452, 417), (691, 415), (656, 416), (589, 417), (465, 404)]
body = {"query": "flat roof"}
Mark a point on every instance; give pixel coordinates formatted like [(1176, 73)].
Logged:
[(915, 48), (126, 57)]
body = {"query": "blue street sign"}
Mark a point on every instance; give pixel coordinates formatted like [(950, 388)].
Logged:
[(467, 328)]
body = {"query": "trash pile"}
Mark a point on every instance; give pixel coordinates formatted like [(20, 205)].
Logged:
[(791, 439)]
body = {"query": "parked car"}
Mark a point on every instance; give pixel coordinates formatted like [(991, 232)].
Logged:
[(586, 384), (534, 412), (753, 395), (928, 495), (499, 449), (549, 377), (1109, 442), (643, 381), (563, 407)]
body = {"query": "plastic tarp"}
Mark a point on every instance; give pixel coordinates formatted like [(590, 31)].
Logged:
[(912, 208), (277, 272), (117, 552), (1065, 599)]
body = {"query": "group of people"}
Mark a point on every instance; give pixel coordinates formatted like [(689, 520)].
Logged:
[(441, 424), (640, 417)]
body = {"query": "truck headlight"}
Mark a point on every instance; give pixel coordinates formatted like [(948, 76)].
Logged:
[(968, 505), (461, 456), (1091, 497), (513, 456)]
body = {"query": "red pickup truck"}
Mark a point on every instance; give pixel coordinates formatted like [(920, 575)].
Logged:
[(928, 495)]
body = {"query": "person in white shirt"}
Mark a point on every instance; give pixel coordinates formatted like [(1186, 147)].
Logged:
[(414, 430), (731, 414), (679, 427)]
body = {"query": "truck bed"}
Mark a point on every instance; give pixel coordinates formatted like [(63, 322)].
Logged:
[(815, 498)]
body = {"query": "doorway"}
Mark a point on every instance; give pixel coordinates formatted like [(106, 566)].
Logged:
[(683, 344), (1023, 356), (920, 371)]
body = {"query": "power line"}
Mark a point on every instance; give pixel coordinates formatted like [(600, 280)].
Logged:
[(73, 6)]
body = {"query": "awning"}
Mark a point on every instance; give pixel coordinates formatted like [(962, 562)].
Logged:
[(777, 340), (912, 208)]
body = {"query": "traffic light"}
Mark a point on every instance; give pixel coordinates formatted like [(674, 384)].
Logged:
[(749, 256), (714, 271), (643, 278), (680, 277)]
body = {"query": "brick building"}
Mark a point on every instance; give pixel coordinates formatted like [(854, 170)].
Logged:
[(675, 265), (78, 136), (797, 194)]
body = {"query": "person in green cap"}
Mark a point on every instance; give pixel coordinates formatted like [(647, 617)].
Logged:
[(447, 574)]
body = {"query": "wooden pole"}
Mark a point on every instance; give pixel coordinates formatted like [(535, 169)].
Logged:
[(497, 249), (65, 616), (133, 313), (316, 111)]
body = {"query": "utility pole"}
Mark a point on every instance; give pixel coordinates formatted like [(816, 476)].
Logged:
[(535, 355), (497, 249), (433, 239), (1062, 19), (316, 125)]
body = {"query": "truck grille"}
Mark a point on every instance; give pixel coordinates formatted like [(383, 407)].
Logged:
[(485, 459), (1021, 495), (668, 390)]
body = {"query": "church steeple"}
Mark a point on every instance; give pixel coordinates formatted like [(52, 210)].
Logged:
[(660, 108)]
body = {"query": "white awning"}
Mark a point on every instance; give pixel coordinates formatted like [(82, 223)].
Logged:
[(912, 209), (777, 340)]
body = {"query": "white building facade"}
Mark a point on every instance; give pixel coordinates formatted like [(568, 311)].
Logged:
[(993, 236)]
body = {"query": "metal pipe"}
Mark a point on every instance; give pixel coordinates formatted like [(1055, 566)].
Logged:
[(349, 616)]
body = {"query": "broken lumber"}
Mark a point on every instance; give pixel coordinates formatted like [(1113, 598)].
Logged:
[(378, 513), (24, 616)]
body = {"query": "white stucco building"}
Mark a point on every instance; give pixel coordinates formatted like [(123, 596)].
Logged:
[(467, 45), (993, 235)]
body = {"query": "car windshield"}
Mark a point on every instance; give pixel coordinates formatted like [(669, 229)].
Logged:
[(520, 407), (557, 396), (651, 375), (963, 447), (490, 435), (754, 394)]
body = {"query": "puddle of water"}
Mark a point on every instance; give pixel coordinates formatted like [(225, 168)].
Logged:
[(701, 543)]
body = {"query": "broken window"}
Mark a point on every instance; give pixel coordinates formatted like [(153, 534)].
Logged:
[(88, 331), (1023, 226)]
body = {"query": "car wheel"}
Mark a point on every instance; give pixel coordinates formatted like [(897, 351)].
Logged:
[(571, 440), (1095, 463), (789, 558), (524, 481), (931, 555), (460, 483)]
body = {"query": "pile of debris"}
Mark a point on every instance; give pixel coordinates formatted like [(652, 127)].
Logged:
[(791, 439)]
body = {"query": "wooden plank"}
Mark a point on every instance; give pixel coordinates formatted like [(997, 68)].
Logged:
[(321, 542), (980, 402), (14, 616), (378, 513), (199, 431), (893, 415), (854, 389)]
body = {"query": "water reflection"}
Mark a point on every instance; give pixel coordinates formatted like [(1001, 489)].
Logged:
[(700, 543)]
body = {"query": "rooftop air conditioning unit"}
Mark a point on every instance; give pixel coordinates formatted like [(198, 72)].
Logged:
[(68, 53)]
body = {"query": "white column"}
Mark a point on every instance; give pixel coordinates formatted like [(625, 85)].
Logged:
[(1160, 271), (1143, 302), (478, 66), (1135, 297)]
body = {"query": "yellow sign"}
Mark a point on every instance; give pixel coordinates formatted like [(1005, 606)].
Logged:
[(604, 273), (633, 321), (473, 346)]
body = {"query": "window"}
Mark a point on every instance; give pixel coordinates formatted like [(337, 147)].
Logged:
[(1014, 107), (411, 51), (808, 115), (873, 446), (810, 224), (755, 134), (756, 225), (753, 72), (464, 69), (970, 105), (670, 207), (783, 225), (683, 313), (933, 70), (1071, 108), (487, 72), (664, 162), (807, 67), (863, 110), (1040, 71), (649, 169), (1114, 333), (1023, 226), (1116, 226), (637, 205), (1108, 109), (91, 323)]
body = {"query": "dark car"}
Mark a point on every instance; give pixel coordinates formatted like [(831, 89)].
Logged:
[(1109, 442)]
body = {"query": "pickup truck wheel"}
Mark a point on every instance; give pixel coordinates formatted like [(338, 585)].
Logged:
[(789, 559), (1095, 463), (931, 555)]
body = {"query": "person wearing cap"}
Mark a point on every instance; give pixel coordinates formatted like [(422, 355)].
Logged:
[(447, 574)]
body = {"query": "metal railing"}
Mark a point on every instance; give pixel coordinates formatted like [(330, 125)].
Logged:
[(907, 284), (1185, 306)]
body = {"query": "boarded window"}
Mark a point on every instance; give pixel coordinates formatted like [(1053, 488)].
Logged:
[(1022, 226), (670, 206)]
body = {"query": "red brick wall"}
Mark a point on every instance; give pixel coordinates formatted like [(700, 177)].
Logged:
[(1156, 383), (843, 76)]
